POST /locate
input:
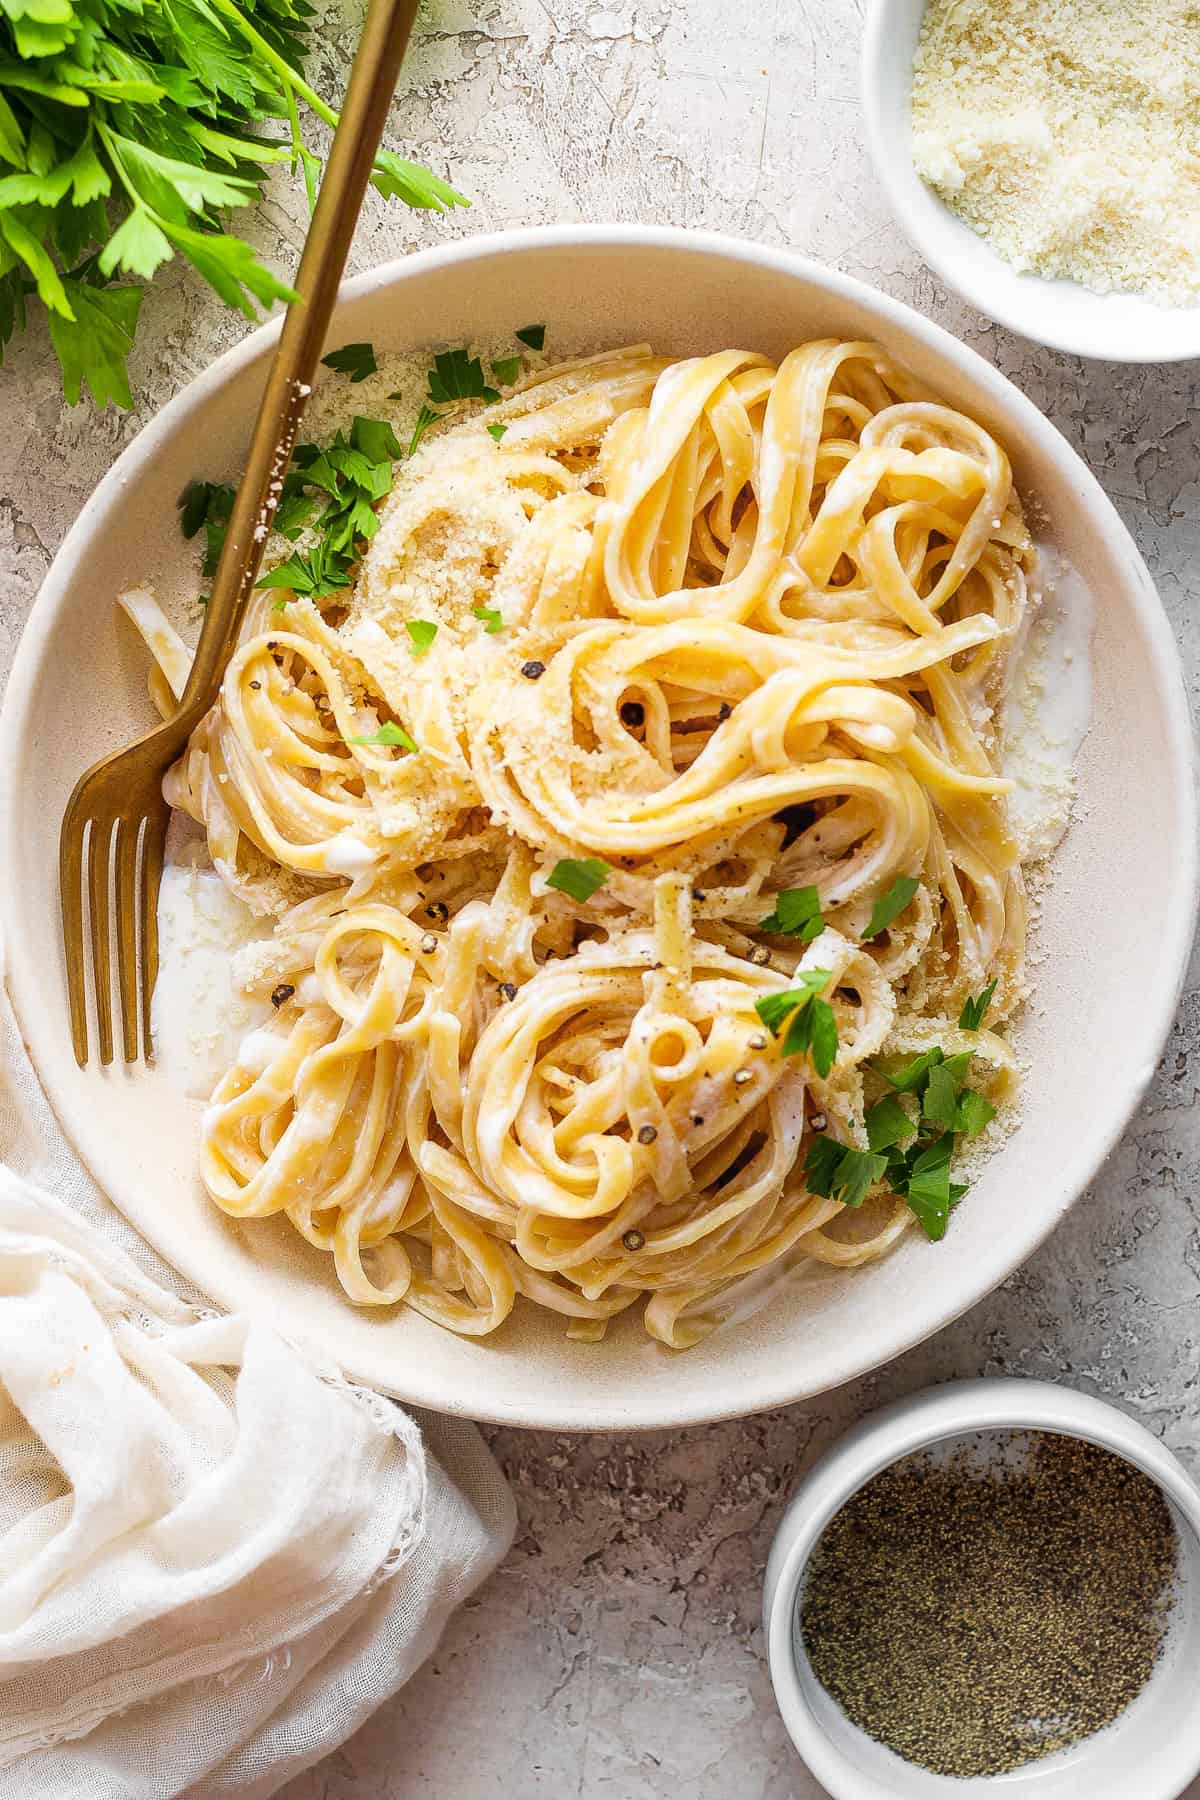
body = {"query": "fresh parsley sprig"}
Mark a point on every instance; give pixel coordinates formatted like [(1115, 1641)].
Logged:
[(128, 130)]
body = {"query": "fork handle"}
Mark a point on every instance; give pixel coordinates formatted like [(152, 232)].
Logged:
[(294, 365)]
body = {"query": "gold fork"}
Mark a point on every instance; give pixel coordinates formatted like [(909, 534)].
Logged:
[(118, 805)]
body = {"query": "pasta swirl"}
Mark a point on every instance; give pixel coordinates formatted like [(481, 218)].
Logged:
[(754, 626)]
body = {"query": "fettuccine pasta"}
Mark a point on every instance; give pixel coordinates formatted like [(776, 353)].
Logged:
[(707, 634)]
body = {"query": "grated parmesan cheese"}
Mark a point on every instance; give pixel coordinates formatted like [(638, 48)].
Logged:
[(1067, 133)]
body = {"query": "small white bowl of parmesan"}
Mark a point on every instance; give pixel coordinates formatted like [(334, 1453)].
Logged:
[(1043, 157)]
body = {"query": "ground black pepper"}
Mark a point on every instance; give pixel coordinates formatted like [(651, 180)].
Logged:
[(975, 1615)]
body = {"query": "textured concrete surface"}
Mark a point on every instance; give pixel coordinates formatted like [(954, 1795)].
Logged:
[(618, 1654)]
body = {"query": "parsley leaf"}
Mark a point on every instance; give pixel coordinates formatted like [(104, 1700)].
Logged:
[(928, 1186), (193, 506), (387, 734), (456, 375), (93, 344), (507, 370), (910, 1077), (496, 431), (533, 335), (974, 1010), (398, 179), (207, 504), (422, 632), (840, 1172), (812, 1025), (355, 360), (887, 1123), (489, 617), (939, 1103), (578, 879), (376, 440), (975, 1112), (797, 914), (315, 575), (892, 904), (773, 1009)]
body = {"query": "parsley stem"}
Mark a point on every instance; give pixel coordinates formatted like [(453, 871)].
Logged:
[(293, 81)]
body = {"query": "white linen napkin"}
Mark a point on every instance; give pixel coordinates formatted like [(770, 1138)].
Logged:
[(216, 1559)]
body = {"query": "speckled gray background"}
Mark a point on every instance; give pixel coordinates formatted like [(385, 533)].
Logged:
[(618, 1654)]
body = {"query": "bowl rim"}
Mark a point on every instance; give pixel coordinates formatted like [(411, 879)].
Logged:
[(690, 1405), (891, 169), (908, 1425)]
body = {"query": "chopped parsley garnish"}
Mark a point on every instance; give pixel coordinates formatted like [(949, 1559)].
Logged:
[(840, 1172), (797, 914), (489, 617), (578, 879), (376, 440), (975, 1010), (496, 431), (946, 1110), (425, 418), (909, 1077), (422, 632), (888, 1123), (533, 335), (355, 360), (944, 1083), (387, 734), (331, 489), (207, 504), (811, 1024), (507, 370), (456, 375), (928, 1188), (317, 574), (891, 905), (975, 1113)]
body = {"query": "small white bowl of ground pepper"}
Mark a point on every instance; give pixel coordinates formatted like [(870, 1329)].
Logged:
[(991, 1583)]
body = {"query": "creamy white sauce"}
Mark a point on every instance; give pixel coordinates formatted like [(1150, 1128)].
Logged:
[(348, 855), (199, 1014), (1047, 710)]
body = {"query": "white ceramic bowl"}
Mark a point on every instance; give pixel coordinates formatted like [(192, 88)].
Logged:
[(1150, 1753), (1115, 929), (1061, 314)]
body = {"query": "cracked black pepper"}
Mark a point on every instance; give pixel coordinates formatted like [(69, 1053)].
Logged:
[(975, 1615)]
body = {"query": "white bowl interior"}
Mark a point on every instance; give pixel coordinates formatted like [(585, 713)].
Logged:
[(1151, 1750), (1062, 314), (1107, 984)]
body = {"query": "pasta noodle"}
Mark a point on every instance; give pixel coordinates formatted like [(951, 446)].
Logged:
[(754, 623)]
